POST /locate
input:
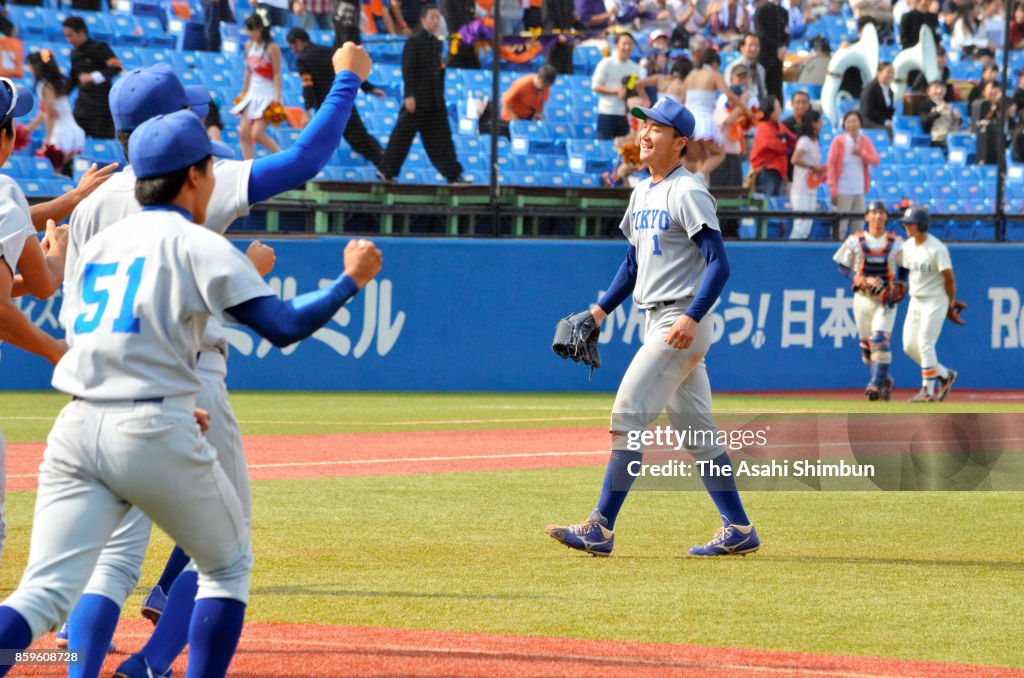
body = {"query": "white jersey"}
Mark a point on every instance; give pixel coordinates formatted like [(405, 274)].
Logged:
[(660, 222), (138, 302), (15, 223), (926, 262), (115, 200)]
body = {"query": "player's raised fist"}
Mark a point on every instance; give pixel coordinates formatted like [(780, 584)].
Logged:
[(352, 57), (362, 261), (262, 257)]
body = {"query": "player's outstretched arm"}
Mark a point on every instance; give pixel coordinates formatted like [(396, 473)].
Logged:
[(42, 264), (18, 329), (311, 152), (620, 289), (285, 322), (60, 208)]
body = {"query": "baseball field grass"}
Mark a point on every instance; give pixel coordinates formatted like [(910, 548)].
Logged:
[(909, 575)]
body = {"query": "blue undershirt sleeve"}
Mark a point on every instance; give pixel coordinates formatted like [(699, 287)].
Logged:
[(847, 272), (711, 245), (285, 322), (292, 167), (622, 284)]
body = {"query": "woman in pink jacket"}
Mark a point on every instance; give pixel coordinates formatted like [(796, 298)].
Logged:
[(849, 157)]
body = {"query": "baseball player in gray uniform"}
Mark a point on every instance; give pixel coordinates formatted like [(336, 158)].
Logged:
[(137, 97), (675, 268), (138, 301), (26, 267)]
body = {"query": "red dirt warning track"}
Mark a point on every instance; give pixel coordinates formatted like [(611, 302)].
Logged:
[(310, 651)]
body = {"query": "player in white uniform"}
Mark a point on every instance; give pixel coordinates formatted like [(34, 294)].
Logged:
[(868, 258), (135, 98), (25, 266), (932, 292), (675, 268), (139, 299)]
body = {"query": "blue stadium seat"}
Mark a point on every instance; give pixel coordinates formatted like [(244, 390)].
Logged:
[(879, 138), (36, 188), (104, 150), (935, 157), (886, 174), (40, 168), (918, 192), (17, 166), (590, 156), (941, 190), (1015, 231), (364, 174), (533, 137), (906, 156), (982, 231)]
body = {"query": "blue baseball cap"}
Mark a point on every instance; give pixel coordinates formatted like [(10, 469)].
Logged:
[(167, 143), (143, 93), (668, 112), (198, 99), (15, 100)]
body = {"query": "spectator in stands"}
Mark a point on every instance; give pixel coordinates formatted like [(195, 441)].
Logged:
[(938, 117), (878, 12), (627, 147), (659, 39), (671, 84), (317, 72), (510, 16), (729, 21), (920, 82), (877, 102), (967, 37), (346, 19), (771, 23), (950, 12), (314, 14), (687, 18), (607, 84), (730, 172), (808, 173), (93, 67), (457, 13), (988, 74), (1017, 101), (424, 109), (216, 12), (799, 16), (1017, 27), (750, 48), (849, 178), (703, 85), (276, 11), (64, 138), (814, 69), (593, 14), (1017, 142), (261, 87), (919, 13), (532, 17), (773, 144), (411, 10), (381, 17), (557, 16), (698, 45), (988, 128), (6, 26), (525, 98), (800, 102)]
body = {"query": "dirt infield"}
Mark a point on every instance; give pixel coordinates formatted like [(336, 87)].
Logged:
[(310, 651)]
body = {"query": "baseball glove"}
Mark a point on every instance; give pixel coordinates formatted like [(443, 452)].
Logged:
[(576, 339), (894, 293), (953, 314)]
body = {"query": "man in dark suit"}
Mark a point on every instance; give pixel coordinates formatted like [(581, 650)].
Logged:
[(317, 72), (877, 105), (917, 15), (919, 83), (771, 24), (424, 108), (93, 67)]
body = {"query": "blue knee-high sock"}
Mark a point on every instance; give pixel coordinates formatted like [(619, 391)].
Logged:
[(171, 633), (213, 636), (175, 564), (722, 489), (15, 633), (90, 629), (617, 481)]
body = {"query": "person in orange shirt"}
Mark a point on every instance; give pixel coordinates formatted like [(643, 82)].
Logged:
[(526, 97)]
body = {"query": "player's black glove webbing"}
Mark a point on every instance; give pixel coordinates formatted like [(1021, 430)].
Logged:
[(576, 339)]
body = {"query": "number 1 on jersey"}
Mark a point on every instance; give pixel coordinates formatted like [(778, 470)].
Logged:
[(125, 323), (657, 247)]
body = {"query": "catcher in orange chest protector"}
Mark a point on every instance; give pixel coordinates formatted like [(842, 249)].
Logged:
[(932, 299), (869, 259)]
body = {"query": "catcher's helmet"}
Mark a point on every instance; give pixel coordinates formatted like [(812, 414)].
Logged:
[(918, 216), (876, 205)]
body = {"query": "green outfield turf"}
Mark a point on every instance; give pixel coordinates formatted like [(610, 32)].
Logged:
[(910, 575), (27, 416), (931, 576)]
